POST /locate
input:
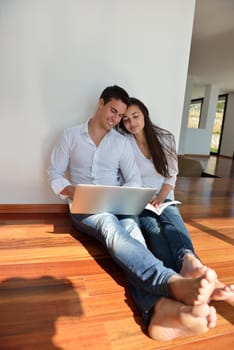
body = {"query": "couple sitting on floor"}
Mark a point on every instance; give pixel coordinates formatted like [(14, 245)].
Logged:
[(168, 282)]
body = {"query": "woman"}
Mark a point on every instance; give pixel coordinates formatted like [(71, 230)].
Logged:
[(154, 148), (166, 235)]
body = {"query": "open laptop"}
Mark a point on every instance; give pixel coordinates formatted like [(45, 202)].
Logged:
[(122, 200)]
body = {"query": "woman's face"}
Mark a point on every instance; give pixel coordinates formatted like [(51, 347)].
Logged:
[(133, 120)]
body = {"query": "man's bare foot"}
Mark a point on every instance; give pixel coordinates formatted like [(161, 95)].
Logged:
[(192, 266), (193, 291), (223, 292), (172, 319)]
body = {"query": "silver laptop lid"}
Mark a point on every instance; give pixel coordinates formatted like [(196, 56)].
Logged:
[(122, 200)]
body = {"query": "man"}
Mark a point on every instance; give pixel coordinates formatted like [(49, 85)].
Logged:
[(95, 153)]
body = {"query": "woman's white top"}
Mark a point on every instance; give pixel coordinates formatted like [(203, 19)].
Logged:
[(149, 175)]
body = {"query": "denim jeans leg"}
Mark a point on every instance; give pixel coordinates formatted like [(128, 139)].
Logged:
[(144, 301), (155, 240), (131, 224), (143, 267), (176, 234)]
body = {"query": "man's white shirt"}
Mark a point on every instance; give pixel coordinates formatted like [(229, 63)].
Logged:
[(112, 162)]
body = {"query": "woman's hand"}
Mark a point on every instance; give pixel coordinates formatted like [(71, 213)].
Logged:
[(161, 196), (155, 201)]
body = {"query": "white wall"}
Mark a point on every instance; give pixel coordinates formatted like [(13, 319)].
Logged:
[(56, 58), (184, 121), (197, 141)]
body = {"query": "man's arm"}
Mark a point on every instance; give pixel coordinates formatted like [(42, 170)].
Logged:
[(58, 164)]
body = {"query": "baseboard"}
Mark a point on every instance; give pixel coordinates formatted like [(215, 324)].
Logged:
[(33, 208), (205, 155), (196, 155), (227, 157)]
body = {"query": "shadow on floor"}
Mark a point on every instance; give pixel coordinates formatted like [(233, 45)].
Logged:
[(30, 308)]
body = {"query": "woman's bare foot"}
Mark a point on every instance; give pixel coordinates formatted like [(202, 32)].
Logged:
[(192, 266), (223, 292), (193, 291), (172, 319)]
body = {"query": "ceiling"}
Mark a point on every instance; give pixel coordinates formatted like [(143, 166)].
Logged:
[(212, 48)]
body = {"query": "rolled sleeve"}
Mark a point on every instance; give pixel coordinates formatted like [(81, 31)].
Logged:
[(58, 164), (173, 170), (58, 185)]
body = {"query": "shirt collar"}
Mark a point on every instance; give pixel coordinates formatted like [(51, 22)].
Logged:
[(84, 128)]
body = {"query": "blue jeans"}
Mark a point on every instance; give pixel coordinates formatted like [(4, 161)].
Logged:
[(124, 241), (168, 239), (167, 236)]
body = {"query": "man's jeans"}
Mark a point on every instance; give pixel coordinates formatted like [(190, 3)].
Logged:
[(124, 241), (167, 236)]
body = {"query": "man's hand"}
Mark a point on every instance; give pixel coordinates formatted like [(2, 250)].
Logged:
[(68, 191)]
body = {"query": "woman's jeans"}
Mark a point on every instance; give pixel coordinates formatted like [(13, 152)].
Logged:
[(166, 236), (121, 235), (168, 239)]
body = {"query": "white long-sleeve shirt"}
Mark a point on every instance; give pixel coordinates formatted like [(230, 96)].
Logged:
[(109, 163), (150, 177)]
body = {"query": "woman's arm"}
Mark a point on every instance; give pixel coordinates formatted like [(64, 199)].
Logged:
[(162, 195)]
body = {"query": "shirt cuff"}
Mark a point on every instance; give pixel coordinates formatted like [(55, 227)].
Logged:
[(58, 185)]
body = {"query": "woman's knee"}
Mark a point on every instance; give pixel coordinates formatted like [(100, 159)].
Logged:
[(150, 226)]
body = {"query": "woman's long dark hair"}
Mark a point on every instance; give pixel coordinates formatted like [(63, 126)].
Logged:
[(160, 141)]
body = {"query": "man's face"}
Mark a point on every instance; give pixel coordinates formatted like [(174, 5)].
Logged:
[(111, 113)]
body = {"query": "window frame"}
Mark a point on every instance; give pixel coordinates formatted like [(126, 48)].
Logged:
[(196, 101)]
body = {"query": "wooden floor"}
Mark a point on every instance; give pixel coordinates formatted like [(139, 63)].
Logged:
[(61, 291)]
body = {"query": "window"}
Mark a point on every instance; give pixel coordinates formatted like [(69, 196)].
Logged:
[(195, 113), (218, 124)]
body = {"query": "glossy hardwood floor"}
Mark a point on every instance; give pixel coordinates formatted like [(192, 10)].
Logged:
[(60, 290)]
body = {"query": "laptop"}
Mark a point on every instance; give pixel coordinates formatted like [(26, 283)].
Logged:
[(122, 200)]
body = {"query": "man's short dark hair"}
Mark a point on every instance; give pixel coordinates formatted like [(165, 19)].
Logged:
[(115, 92)]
